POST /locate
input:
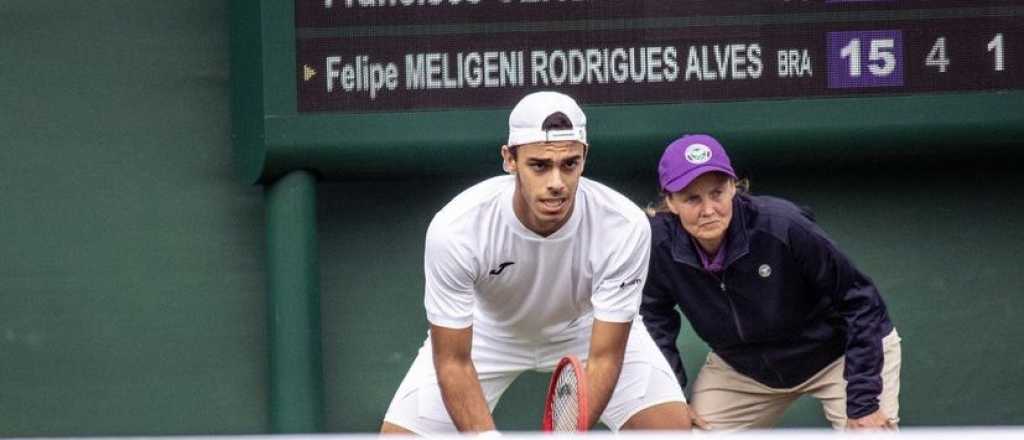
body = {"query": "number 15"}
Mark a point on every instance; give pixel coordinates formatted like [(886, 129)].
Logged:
[(881, 59)]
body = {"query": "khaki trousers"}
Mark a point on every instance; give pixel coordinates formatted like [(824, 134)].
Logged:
[(729, 400)]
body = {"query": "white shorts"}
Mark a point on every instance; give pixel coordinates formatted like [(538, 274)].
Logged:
[(646, 379)]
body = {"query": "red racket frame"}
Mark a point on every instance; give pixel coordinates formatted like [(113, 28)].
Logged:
[(547, 425)]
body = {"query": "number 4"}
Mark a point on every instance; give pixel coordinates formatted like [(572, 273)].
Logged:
[(937, 56)]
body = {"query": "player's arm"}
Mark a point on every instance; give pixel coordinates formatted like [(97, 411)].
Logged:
[(449, 299), (619, 278), (456, 375), (607, 349)]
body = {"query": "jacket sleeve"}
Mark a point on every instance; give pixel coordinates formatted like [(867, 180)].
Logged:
[(661, 318), (856, 298)]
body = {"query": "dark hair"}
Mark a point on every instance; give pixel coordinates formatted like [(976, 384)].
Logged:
[(556, 121)]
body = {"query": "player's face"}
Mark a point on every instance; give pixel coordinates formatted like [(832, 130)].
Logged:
[(547, 174), (705, 208)]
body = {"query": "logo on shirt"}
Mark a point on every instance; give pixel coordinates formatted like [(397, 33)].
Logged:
[(630, 283), (501, 268), (765, 271)]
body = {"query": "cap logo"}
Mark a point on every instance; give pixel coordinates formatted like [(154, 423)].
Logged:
[(697, 154), (556, 135)]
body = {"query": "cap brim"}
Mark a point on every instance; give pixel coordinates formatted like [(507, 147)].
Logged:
[(681, 181)]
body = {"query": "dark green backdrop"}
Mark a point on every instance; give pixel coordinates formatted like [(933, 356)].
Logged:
[(131, 259), (132, 262)]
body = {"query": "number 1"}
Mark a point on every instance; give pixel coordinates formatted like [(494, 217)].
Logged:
[(852, 51), (996, 45)]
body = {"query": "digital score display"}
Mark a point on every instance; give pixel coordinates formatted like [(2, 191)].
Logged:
[(399, 55)]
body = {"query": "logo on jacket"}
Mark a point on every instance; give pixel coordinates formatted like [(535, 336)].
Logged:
[(630, 283), (765, 271), (501, 268)]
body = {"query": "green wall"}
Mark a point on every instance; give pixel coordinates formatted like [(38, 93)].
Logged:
[(132, 262), (131, 265)]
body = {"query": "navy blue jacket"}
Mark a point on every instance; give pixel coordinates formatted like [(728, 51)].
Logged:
[(787, 303)]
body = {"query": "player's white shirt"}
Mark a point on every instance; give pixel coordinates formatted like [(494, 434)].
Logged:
[(486, 269)]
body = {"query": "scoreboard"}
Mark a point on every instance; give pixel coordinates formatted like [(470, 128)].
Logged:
[(398, 87), (637, 51)]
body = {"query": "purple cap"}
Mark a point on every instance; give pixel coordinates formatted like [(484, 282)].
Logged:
[(688, 157)]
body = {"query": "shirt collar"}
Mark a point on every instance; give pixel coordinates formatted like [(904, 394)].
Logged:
[(713, 263)]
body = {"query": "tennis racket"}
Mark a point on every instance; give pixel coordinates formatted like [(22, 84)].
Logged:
[(565, 409)]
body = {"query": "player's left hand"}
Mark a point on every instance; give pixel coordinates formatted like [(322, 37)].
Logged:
[(875, 420)]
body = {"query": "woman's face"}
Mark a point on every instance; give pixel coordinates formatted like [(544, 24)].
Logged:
[(705, 208)]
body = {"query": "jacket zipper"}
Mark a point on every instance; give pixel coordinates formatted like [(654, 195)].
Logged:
[(767, 366), (739, 329), (732, 307)]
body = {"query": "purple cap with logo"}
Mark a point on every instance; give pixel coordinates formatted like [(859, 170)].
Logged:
[(688, 157)]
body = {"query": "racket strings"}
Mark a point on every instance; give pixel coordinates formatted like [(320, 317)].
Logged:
[(566, 405)]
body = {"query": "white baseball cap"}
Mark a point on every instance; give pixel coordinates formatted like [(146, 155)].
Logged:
[(526, 123)]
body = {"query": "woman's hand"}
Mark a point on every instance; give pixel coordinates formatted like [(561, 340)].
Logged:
[(875, 420)]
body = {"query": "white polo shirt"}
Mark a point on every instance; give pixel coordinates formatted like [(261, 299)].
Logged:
[(485, 269)]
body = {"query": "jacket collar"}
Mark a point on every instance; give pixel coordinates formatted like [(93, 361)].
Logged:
[(737, 239)]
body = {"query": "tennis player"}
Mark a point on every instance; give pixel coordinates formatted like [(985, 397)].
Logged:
[(526, 268), (785, 312)]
